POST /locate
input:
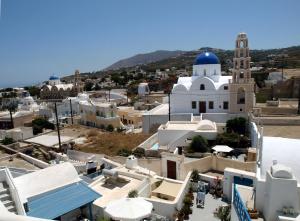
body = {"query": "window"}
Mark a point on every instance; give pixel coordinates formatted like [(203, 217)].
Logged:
[(204, 72), (242, 75), (215, 72), (225, 105), (194, 104), (225, 87), (211, 105), (202, 87)]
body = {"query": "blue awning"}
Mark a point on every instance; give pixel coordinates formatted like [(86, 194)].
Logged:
[(60, 201)]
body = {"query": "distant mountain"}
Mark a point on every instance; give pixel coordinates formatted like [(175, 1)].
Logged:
[(142, 59)]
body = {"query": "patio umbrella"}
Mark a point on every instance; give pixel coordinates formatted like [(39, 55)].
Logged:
[(222, 148), (129, 209)]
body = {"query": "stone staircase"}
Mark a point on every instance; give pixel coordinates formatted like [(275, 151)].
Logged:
[(6, 199)]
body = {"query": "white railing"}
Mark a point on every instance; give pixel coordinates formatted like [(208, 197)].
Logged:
[(14, 193)]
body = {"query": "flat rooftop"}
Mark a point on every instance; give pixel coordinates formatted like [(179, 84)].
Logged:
[(111, 192), (180, 126), (17, 162), (287, 131), (49, 140), (285, 151), (162, 109)]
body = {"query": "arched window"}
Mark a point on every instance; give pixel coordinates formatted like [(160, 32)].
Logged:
[(204, 72), (215, 72), (202, 87), (241, 96), (241, 44), (242, 75)]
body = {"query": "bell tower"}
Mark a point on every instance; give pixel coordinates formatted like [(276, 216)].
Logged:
[(77, 82), (241, 87)]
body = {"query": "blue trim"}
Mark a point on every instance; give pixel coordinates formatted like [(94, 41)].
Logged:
[(239, 206), (58, 202), (242, 181)]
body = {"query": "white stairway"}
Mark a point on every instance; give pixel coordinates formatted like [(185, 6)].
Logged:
[(6, 199)]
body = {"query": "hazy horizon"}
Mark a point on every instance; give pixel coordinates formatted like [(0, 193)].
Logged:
[(38, 39)]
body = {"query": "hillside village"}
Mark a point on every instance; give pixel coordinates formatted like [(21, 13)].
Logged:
[(211, 134)]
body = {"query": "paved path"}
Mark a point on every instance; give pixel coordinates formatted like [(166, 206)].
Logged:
[(206, 213)]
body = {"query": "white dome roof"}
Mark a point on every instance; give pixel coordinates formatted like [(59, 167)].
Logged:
[(207, 125), (281, 171)]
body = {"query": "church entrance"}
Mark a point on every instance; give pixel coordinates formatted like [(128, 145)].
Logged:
[(202, 107)]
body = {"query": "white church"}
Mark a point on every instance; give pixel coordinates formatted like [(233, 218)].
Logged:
[(207, 91)]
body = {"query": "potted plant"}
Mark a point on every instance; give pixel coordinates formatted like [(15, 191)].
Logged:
[(194, 179), (253, 213)]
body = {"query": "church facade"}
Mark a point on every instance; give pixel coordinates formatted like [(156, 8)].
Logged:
[(207, 91), (55, 89)]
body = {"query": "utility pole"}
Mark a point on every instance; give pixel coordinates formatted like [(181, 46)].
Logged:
[(109, 94), (169, 107), (299, 98), (57, 126), (11, 118), (71, 111), (282, 62)]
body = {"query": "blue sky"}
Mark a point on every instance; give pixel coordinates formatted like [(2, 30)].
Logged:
[(43, 37)]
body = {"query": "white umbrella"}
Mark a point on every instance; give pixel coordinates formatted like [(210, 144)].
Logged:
[(128, 209), (222, 148)]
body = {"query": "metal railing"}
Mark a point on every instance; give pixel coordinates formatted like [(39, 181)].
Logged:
[(239, 206)]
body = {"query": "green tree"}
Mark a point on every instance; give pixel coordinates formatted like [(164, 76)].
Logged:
[(199, 144), (33, 90), (237, 125), (133, 194), (88, 86), (110, 128), (39, 124), (195, 175), (7, 141)]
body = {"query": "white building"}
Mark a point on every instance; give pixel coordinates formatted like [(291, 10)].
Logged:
[(56, 192), (273, 191), (64, 108), (206, 91), (143, 89), (176, 134), (210, 94), (28, 104), (99, 114)]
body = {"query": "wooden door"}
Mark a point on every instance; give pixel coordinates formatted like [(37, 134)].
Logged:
[(171, 169), (202, 107)]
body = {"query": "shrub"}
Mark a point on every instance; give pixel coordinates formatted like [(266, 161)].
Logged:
[(223, 213), (92, 133), (124, 152), (199, 144), (229, 139), (110, 128), (7, 141), (187, 201), (133, 194), (120, 129), (195, 176), (237, 125), (139, 152), (233, 140), (39, 124)]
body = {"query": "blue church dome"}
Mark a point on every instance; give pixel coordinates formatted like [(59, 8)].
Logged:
[(53, 77), (207, 58)]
